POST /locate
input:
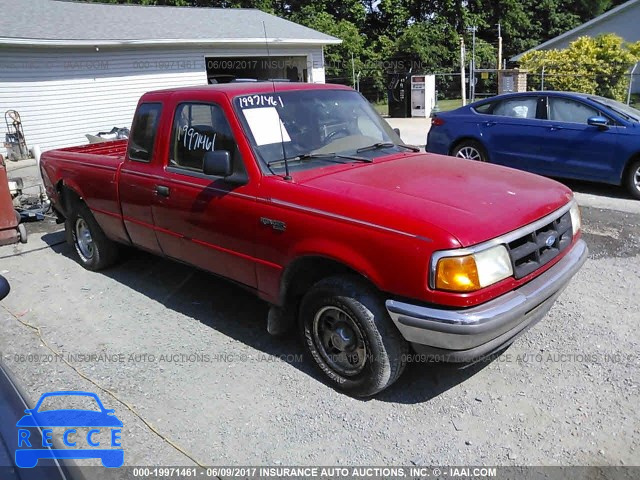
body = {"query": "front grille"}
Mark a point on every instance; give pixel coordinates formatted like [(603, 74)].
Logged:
[(532, 251)]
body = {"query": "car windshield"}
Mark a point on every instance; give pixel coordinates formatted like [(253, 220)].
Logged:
[(314, 128), (625, 111)]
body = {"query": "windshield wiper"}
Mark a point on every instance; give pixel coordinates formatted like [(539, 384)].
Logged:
[(379, 145), (329, 157)]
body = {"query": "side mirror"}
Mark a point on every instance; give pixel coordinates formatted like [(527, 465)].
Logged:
[(217, 163), (397, 130), (600, 122), (138, 153), (4, 287)]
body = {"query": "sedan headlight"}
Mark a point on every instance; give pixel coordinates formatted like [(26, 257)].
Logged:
[(576, 219), (472, 272)]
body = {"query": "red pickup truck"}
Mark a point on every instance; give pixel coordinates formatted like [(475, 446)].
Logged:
[(304, 195)]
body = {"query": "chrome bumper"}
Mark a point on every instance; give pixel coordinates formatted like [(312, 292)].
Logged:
[(467, 334)]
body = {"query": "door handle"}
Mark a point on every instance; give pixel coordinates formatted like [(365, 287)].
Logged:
[(489, 124), (554, 128), (162, 190)]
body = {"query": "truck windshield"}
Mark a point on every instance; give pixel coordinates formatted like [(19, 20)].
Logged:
[(313, 128)]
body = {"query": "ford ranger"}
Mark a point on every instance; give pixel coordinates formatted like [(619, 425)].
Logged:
[(303, 194)]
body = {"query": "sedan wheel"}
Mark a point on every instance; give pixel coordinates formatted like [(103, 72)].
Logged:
[(632, 180), (470, 150)]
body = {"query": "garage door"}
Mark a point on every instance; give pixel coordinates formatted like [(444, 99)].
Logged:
[(229, 69)]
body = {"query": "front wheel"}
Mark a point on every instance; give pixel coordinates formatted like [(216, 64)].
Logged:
[(632, 179), (471, 150), (95, 251), (347, 332)]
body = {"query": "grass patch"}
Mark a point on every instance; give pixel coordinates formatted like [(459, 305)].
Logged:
[(445, 105), (449, 104)]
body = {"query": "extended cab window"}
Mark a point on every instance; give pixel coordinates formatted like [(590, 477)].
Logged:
[(143, 131), (199, 128)]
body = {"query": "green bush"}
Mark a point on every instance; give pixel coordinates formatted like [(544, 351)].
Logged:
[(597, 65)]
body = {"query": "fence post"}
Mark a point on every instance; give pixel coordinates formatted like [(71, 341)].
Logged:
[(631, 83), (542, 80)]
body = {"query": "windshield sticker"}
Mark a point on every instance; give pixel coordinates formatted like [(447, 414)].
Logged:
[(194, 140), (251, 101), (263, 123)]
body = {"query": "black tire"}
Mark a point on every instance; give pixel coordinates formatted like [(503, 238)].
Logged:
[(632, 179), (377, 350), (471, 150), (103, 252)]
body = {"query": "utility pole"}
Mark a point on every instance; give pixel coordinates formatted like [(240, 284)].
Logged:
[(499, 47), (353, 71), (472, 66), (499, 55), (463, 87)]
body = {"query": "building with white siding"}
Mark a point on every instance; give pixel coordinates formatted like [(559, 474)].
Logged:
[(72, 69)]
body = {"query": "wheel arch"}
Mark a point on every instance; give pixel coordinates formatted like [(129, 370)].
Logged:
[(467, 138), (303, 272), (630, 161), (67, 195)]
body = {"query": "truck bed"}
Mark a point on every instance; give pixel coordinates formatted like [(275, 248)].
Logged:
[(92, 172), (115, 148)]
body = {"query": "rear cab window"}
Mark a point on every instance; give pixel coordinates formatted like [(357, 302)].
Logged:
[(143, 132)]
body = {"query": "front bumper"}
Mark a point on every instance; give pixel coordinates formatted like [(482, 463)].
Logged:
[(470, 334)]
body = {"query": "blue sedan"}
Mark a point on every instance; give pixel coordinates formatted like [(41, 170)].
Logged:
[(558, 134)]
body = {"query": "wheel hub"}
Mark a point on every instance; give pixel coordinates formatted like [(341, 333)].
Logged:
[(84, 241), (339, 341), (469, 153)]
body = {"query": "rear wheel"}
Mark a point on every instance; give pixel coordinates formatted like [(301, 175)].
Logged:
[(471, 150), (632, 179), (95, 251), (348, 334)]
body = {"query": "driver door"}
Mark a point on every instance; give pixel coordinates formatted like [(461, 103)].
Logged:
[(201, 219)]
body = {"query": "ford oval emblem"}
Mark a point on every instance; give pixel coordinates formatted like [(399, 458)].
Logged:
[(551, 239)]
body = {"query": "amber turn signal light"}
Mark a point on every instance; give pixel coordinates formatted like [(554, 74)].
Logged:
[(457, 274)]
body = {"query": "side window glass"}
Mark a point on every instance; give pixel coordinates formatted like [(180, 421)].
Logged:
[(199, 128), (143, 132), (565, 110), (517, 108), (486, 108)]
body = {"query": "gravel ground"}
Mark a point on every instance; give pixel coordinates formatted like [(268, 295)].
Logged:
[(191, 354)]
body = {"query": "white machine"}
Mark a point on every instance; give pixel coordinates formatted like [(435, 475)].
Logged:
[(423, 95)]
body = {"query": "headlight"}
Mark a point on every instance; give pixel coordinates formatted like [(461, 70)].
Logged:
[(576, 220), (472, 272)]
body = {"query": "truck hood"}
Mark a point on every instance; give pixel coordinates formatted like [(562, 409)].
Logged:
[(472, 201)]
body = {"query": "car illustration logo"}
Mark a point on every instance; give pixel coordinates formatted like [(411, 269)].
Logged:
[(99, 422), (551, 239)]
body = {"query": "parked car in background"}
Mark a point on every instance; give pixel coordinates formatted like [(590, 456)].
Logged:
[(558, 134)]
